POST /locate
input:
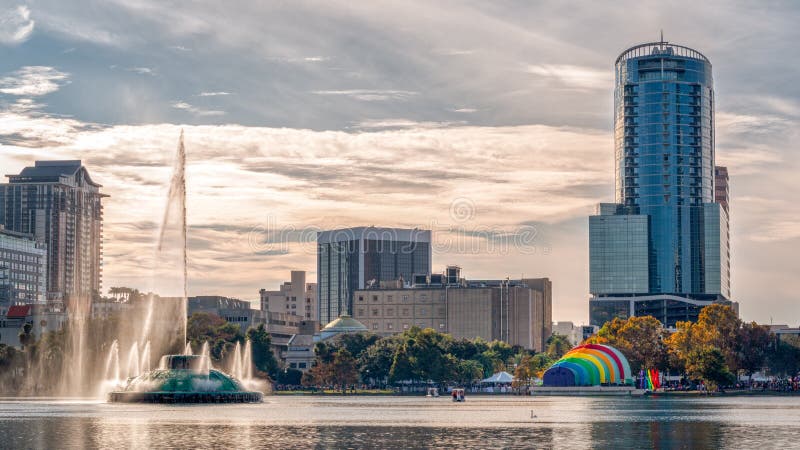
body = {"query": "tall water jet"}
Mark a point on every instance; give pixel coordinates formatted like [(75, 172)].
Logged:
[(176, 199), (145, 366), (188, 349), (236, 367), (247, 361), (112, 362), (205, 352), (133, 361)]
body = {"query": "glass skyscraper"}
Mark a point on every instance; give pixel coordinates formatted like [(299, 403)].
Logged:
[(662, 248), (355, 258)]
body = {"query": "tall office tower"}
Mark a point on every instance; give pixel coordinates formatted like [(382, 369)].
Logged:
[(661, 248), (59, 204), (722, 195), (355, 258)]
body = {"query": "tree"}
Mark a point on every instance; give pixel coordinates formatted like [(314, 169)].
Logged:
[(557, 346), (753, 345), (640, 339), (26, 337), (401, 369), (376, 361), (289, 376), (261, 345), (426, 355), (784, 359), (708, 364), (679, 344), (357, 343), (718, 326), (343, 369), (221, 335), (465, 371)]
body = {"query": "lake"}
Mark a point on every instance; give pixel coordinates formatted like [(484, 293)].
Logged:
[(408, 422)]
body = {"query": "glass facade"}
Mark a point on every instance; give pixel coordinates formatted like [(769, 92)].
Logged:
[(350, 259), (664, 176), (664, 153), (618, 254), (22, 270)]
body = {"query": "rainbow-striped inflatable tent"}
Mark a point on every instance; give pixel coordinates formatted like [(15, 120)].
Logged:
[(589, 365)]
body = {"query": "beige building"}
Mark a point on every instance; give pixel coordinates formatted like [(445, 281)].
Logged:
[(293, 297), (512, 311)]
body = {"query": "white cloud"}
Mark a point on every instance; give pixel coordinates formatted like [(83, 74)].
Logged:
[(213, 94), (16, 25), (464, 110), (370, 95), (33, 81), (195, 110), (179, 48), (142, 70), (403, 123), (577, 77)]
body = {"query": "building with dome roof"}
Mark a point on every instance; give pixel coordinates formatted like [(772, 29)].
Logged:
[(342, 325)]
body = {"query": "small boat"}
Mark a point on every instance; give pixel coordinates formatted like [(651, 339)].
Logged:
[(458, 395), (432, 392)]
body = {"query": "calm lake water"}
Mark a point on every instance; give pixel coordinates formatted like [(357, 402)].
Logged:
[(409, 422)]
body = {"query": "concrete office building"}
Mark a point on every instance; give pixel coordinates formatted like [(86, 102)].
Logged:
[(514, 311), (352, 258), (662, 248), (60, 206), (293, 297), (23, 269), (575, 334)]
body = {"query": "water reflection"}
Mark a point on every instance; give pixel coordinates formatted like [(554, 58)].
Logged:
[(407, 423)]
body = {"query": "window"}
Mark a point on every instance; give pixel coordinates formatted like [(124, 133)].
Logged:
[(301, 365), (389, 326), (405, 311), (375, 312), (422, 311), (293, 365), (374, 298), (389, 311), (375, 326), (405, 326), (405, 298), (389, 298), (441, 326), (361, 298), (361, 311)]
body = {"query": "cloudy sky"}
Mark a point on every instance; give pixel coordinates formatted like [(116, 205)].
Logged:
[(488, 122)]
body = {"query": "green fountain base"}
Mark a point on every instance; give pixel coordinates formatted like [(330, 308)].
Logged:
[(184, 379)]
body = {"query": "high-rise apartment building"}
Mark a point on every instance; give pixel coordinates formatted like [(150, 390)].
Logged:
[(60, 206), (22, 269), (354, 258), (293, 297), (662, 248)]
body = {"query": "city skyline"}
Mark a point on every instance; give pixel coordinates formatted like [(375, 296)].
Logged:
[(290, 135)]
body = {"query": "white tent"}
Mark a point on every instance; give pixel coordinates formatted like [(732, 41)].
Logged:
[(499, 377)]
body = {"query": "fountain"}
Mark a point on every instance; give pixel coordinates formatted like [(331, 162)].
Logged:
[(185, 378)]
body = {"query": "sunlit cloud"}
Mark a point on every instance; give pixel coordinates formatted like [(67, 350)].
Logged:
[(370, 95), (570, 76), (195, 110), (16, 25), (33, 81)]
